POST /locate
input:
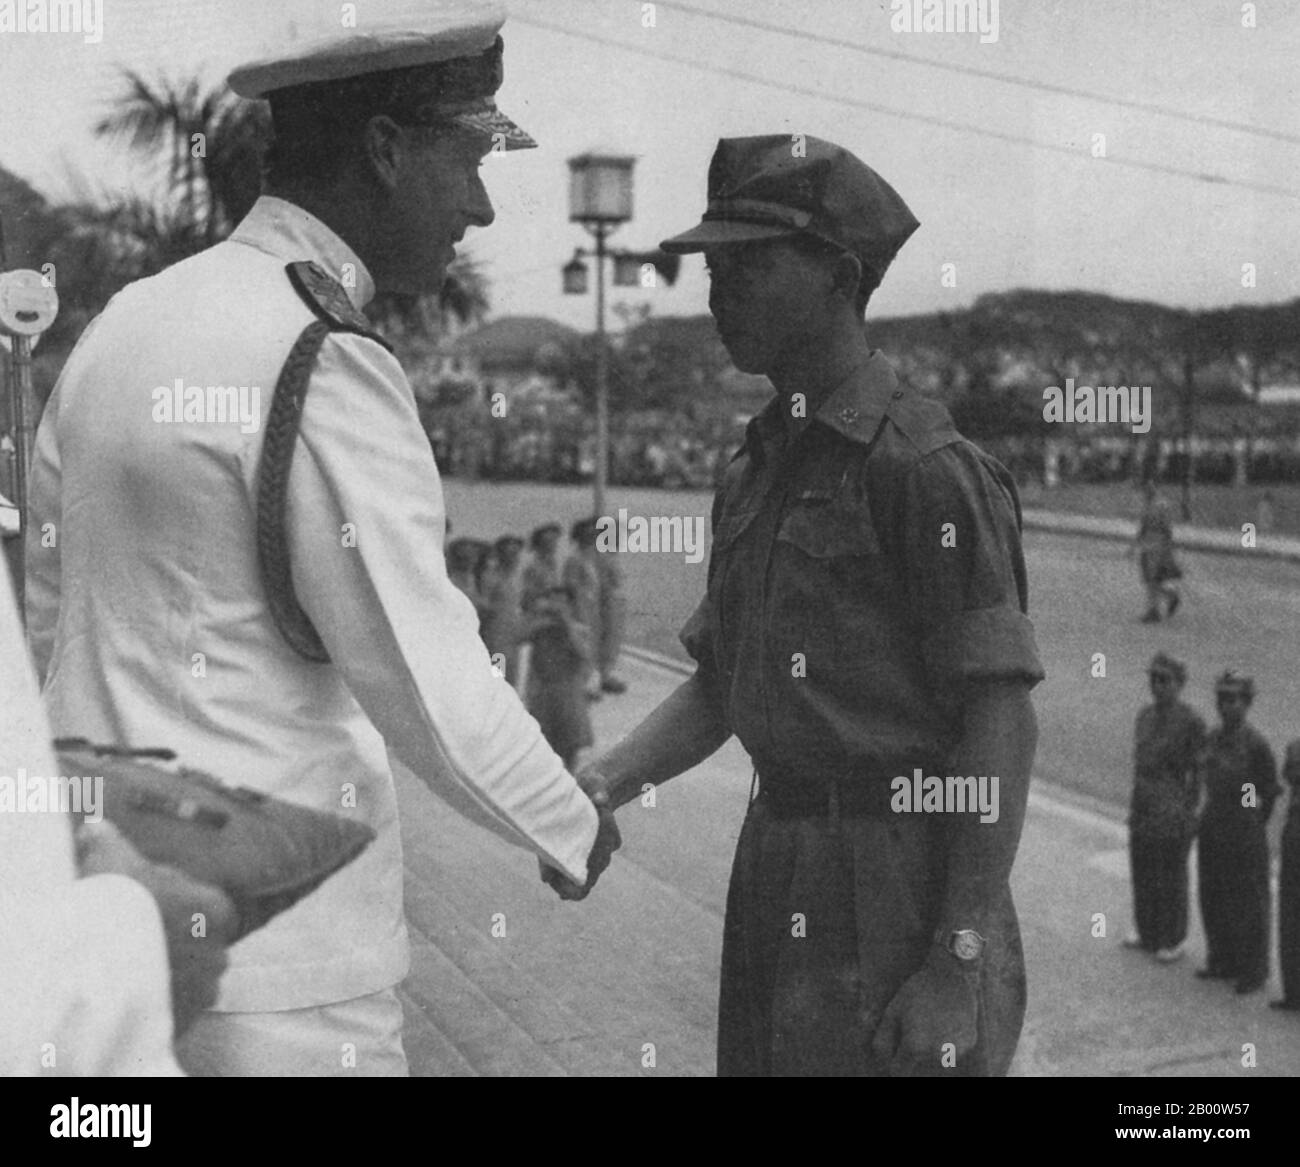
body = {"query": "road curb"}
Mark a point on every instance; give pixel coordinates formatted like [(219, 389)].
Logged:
[(1187, 538)]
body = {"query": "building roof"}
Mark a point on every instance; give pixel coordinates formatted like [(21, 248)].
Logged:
[(511, 341)]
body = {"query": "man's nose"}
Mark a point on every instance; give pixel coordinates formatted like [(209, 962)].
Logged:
[(481, 212)]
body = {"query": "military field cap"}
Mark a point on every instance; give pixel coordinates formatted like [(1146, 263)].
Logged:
[(1234, 682), (438, 62), (1164, 663), (781, 184)]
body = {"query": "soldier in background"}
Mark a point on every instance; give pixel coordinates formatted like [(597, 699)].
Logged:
[(1154, 544), (464, 564), (503, 593), (543, 570), (1162, 819), (557, 671), (1240, 779), (581, 575), (1288, 899), (613, 618)]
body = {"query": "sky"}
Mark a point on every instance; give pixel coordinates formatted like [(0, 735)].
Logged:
[(1004, 177)]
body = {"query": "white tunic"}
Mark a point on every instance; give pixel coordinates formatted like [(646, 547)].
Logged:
[(150, 626), (84, 984)]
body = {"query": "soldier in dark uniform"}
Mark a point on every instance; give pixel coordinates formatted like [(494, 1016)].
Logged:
[(864, 618), (504, 593), (1288, 899), (581, 575), (1240, 776), (542, 572), (1155, 547), (1162, 821)]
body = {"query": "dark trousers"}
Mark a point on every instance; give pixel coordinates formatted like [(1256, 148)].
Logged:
[(1235, 901), (826, 919), (1288, 918), (1159, 868)]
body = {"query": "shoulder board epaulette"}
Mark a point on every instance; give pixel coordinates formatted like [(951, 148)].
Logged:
[(925, 422), (325, 296)]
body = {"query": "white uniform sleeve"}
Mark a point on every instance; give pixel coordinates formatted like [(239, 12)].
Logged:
[(366, 522), (84, 981)]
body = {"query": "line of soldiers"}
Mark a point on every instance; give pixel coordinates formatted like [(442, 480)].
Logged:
[(571, 613), (1219, 789)]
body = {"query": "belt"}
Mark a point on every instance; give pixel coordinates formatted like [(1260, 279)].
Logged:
[(824, 791)]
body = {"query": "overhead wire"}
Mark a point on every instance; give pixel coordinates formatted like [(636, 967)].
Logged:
[(909, 115), (984, 74)]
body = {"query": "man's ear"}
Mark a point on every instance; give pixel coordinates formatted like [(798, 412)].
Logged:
[(847, 275), (383, 148)]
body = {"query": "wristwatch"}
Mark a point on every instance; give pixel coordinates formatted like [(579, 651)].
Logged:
[(966, 944)]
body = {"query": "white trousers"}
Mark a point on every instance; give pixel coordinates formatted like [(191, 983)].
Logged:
[(359, 1038)]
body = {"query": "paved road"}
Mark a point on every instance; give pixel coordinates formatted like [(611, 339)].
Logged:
[(1239, 611)]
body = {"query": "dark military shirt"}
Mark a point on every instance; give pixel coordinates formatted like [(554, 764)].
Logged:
[(1165, 754), (1231, 760), (864, 571)]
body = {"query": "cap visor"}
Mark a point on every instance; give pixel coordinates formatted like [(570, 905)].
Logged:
[(492, 123), (720, 232)]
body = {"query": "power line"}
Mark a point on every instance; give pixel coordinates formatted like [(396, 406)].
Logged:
[(986, 74), (889, 111)]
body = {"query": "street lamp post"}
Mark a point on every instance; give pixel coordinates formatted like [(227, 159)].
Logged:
[(600, 198)]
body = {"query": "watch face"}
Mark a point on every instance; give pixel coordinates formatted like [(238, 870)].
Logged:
[(967, 945)]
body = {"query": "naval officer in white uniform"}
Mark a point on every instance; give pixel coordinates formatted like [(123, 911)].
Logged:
[(282, 623)]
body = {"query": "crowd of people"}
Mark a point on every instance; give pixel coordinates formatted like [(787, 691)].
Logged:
[(557, 443), (1216, 788), (569, 613)]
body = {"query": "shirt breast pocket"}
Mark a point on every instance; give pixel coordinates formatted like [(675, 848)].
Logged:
[(828, 582), (823, 526)]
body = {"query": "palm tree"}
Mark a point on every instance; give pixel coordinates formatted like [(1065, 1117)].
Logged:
[(214, 142), (167, 116)]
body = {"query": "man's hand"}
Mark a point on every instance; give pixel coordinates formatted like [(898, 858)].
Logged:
[(608, 840), (197, 962), (937, 1005)]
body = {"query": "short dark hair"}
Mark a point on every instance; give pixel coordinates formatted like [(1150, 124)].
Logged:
[(318, 128)]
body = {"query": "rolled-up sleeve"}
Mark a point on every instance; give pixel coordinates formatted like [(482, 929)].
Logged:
[(965, 571), (366, 522)]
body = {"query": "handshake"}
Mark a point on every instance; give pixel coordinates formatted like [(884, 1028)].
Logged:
[(608, 840)]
